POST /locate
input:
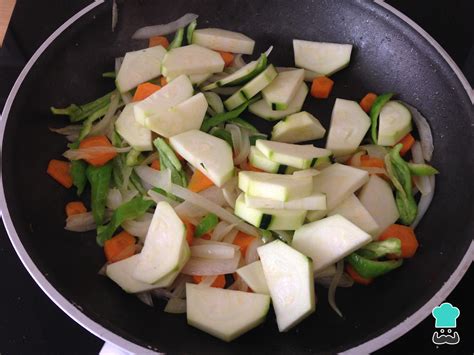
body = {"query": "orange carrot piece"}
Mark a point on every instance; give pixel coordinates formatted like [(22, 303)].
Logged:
[(406, 236), (206, 236), (407, 142), (190, 228), (59, 170), (243, 241), (158, 41), (367, 101), (356, 277), (371, 162), (144, 90), (227, 57), (250, 167), (155, 164), (199, 182), (98, 141), (219, 282), (163, 81), (321, 87), (75, 207), (120, 247)]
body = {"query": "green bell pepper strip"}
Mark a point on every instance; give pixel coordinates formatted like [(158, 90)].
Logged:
[(375, 111), (190, 31), (169, 160), (244, 124), (78, 113), (422, 169), (78, 174), (208, 223), (376, 250), (134, 208), (87, 124), (266, 235), (253, 139), (137, 183), (222, 134), (109, 74), (177, 40), (134, 157), (99, 179), (371, 268), (208, 123), (167, 194)]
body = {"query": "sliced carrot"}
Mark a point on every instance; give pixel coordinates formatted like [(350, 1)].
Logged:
[(321, 87), (219, 282), (98, 141), (163, 81), (227, 57), (367, 101), (120, 247), (243, 241), (406, 236), (158, 41), (356, 277), (371, 162), (407, 142), (155, 164), (250, 167), (59, 170), (75, 207), (190, 228), (206, 236), (144, 90), (199, 182)]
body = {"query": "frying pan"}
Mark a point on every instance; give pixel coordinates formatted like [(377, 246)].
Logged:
[(390, 54)]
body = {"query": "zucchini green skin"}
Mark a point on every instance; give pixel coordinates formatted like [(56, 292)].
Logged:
[(261, 65), (375, 112)]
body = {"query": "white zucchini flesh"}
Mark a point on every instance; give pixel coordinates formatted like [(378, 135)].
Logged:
[(298, 127), (329, 240), (191, 59), (163, 249), (187, 115), (260, 161), (321, 57), (139, 67), (271, 219), (254, 277), (316, 201), (121, 273), (306, 172), (290, 279), (252, 88), (275, 186), (179, 90), (225, 314), (223, 40), (316, 215), (352, 209), (283, 89), (309, 75), (261, 109), (131, 131), (349, 124), (338, 182), (211, 155), (295, 155), (239, 74), (394, 123), (377, 197), (196, 79)]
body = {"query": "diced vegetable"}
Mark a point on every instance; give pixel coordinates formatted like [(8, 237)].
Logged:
[(139, 67), (164, 29), (158, 41), (394, 123), (60, 171), (289, 276), (219, 282), (215, 102), (99, 158), (225, 314), (329, 240), (190, 229), (131, 131), (191, 59), (262, 163), (144, 90), (321, 87), (120, 247), (243, 241), (253, 276), (356, 277), (261, 108), (190, 31), (78, 113), (380, 249), (170, 161), (207, 224), (199, 182), (368, 101), (121, 273), (78, 174), (371, 268), (377, 198), (379, 102), (224, 116), (273, 219), (298, 127), (407, 143), (283, 88), (211, 155), (164, 246), (99, 179), (406, 235), (323, 58), (75, 207), (316, 215), (349, 124), (177, 40), (315, 201), (223, 40), (421, 169), (227, 57)]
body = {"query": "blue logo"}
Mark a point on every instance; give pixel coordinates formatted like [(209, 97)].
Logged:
[(445, 319)]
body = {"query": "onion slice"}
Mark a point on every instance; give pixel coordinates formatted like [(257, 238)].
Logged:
[(212, 251), (333, 287), (208, 267), (421, 182), (83, 222), (86, 153), (165, 29), (424, 203), (154, 178), (175, 306), (138, 227), (238, 62), (145, 297), (251, 254), (424, 131)]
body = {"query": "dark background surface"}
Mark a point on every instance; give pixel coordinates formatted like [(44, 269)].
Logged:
[(31, 323)]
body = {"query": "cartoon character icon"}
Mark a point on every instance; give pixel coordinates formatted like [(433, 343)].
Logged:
[(446, 315)]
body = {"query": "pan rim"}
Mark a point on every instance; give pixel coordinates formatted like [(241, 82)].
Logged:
[(105, 334)]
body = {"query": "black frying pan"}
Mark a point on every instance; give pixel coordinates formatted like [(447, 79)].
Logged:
[(389, 55)]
